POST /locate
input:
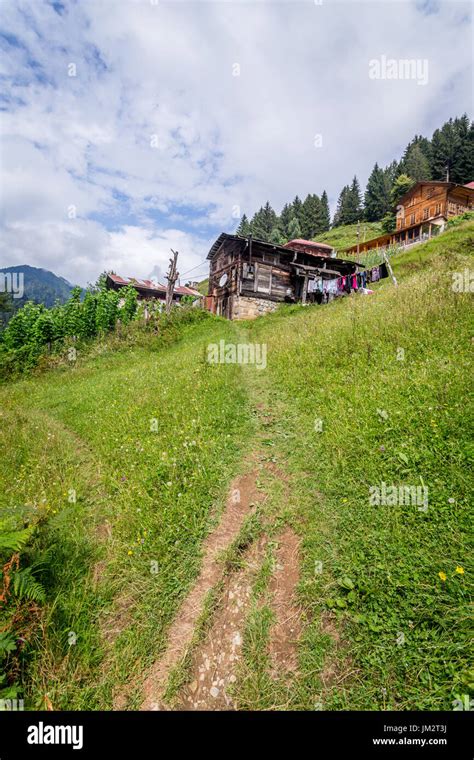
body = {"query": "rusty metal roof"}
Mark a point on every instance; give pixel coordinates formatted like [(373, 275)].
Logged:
[(156, 287), (312, 243)]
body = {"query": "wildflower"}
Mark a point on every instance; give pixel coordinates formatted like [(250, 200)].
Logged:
[(451, 500), (130, 552), (460, 570), (442, 575)]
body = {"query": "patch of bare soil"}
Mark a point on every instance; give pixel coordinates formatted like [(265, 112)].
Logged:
[(286, 630), (215, 661), (242, 497)]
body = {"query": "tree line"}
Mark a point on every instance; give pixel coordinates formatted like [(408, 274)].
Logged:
[(449, 153), (299, 219)]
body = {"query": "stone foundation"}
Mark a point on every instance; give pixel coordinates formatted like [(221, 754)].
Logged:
[(250, 308)]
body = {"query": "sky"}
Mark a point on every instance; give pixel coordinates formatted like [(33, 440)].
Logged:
[(130, 127)]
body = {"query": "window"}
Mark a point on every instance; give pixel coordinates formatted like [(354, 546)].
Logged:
[(426, 211), (438, 208), (412, 218)]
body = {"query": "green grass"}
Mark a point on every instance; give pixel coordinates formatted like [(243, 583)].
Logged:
[(381, 564), (148, 435), (346, 235), (148, 440)]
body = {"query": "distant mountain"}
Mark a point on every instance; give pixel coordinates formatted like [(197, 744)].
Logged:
[(39, 285)]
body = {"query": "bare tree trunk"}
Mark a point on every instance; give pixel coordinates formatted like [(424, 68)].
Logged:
[(172, 276)]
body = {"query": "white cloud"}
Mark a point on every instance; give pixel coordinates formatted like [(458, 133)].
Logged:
[(166, 70)]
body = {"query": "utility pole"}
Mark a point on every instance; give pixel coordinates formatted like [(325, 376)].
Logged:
[(172, 276)]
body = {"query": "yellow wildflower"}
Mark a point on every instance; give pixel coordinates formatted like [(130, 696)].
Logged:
[(442, 575), (460, 570)]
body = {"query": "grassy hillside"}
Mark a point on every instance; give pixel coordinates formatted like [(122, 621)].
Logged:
[(346, 235), (204, 286), (124, 463)]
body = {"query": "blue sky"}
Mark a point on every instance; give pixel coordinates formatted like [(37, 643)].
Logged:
[(133, 126)]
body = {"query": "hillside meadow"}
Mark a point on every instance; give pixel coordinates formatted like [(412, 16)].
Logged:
[(119, 467)]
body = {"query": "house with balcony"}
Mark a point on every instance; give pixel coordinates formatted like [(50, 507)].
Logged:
[(422, 213)]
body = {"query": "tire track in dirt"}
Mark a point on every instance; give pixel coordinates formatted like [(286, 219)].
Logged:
[(215, 661), (182, 629)]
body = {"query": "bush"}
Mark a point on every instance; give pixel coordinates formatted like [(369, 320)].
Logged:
[(468, 216), (35, 330)]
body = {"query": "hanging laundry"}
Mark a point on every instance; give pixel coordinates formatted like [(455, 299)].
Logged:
[(375, 274)]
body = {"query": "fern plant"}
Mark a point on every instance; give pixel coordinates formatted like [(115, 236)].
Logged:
[(14, 540), (19, 582), (25, 586)]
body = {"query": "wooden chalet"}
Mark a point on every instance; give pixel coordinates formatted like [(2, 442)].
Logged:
[(147, 289), (250, 277), (422, 213)]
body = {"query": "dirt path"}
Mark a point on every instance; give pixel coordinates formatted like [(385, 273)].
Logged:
[(243, 496), (216, 660)]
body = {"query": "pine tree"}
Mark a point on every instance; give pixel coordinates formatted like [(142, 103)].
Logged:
[(352, 211), (415, 164), (310, 216), (324, 217), (462, 168), (377, 195), (244, 228), (297, 209), (276, 237), (392, 171), (263, 222), (467, 152), (285, 219), (402, 185), (256, 225), (294, 229), (341, 209), (446, 144)]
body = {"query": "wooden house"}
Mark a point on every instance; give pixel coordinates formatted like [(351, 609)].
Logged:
[(250, 277), (421, 213), (148, 289)]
